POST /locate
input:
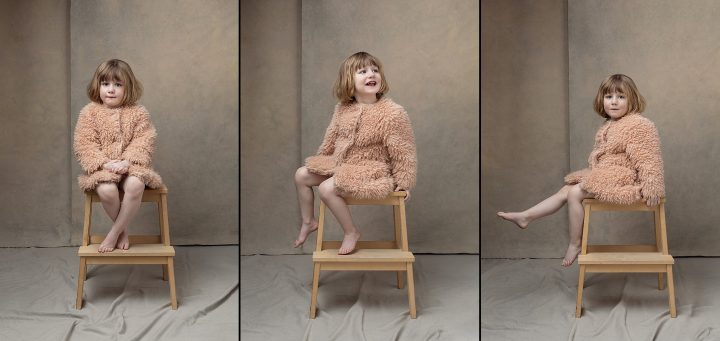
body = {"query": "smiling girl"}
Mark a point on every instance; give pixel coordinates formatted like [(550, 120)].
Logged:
[(626, 164), (368, 150), (114, 141)]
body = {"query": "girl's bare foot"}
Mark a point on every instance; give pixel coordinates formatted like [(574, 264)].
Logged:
[(571, 254), (520, 219), (108, 244), (305, 230), (348, 243), (123, 242)]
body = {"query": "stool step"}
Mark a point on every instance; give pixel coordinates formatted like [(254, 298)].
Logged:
[(137, 250), (364, 255), (625, 258)]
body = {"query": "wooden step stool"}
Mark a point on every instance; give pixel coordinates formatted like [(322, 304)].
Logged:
[(368, 255), (144, 249), (627, 258)]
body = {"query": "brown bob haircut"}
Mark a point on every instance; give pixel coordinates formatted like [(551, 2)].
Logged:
[(624, 85), (115, 70), (344, 88)]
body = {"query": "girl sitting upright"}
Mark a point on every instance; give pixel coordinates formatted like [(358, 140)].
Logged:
[(626, 164)]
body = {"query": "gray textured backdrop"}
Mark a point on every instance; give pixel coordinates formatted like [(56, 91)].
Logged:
[(185, 54), (671, 50), (291, 51)]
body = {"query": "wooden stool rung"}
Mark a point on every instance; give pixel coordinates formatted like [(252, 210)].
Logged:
[(364, 255), (134, 239), (137, 250), (362, 244)]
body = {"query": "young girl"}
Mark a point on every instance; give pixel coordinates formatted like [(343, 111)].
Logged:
[(114, 141), (625, 164), (368, 150)]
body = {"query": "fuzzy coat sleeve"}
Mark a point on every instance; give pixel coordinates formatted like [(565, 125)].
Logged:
[(400, 143), (86, 144), (327, 147), (643, 149), (142, 145)]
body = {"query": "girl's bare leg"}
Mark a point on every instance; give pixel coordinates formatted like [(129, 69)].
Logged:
[(133, 188), (110, 199), (576, 215), (341, 211), (542, 209), (304, 180)]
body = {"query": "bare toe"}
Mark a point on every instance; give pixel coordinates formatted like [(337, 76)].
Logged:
[(570, 256), (348, 243), (123, 242), (305, 230), (104, 248), (517, 218)]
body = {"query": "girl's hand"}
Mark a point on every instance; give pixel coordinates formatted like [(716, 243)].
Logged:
[(110, 165), (117, 166), (407, 193), (122, 167), (652, 201)]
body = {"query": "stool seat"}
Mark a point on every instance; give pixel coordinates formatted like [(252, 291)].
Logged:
[(134, 250)]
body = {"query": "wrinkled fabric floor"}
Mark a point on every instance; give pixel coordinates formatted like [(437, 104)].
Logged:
[(121, 302), (358, 305), (534, 299)]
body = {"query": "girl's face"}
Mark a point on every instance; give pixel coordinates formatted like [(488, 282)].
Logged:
[(615, 104), (367, 81), (112, 92)]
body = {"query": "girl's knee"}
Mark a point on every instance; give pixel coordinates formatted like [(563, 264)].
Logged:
[(565, 189), (327, 188), (301, 175), (576, 192), (106, 190), (134, 186)]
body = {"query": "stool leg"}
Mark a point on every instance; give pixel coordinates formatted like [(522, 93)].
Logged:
[(398, 244), (313, 296), (581, 283), (411, 291), (81, 282), (671, 292), (171, 275), (165, 272), (661, 281)]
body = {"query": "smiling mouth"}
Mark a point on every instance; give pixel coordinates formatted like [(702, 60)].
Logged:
[(371, 83)]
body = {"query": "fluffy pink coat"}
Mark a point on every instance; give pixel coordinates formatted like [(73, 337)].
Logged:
[(103, 134), (625, 164), (369, 149)]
